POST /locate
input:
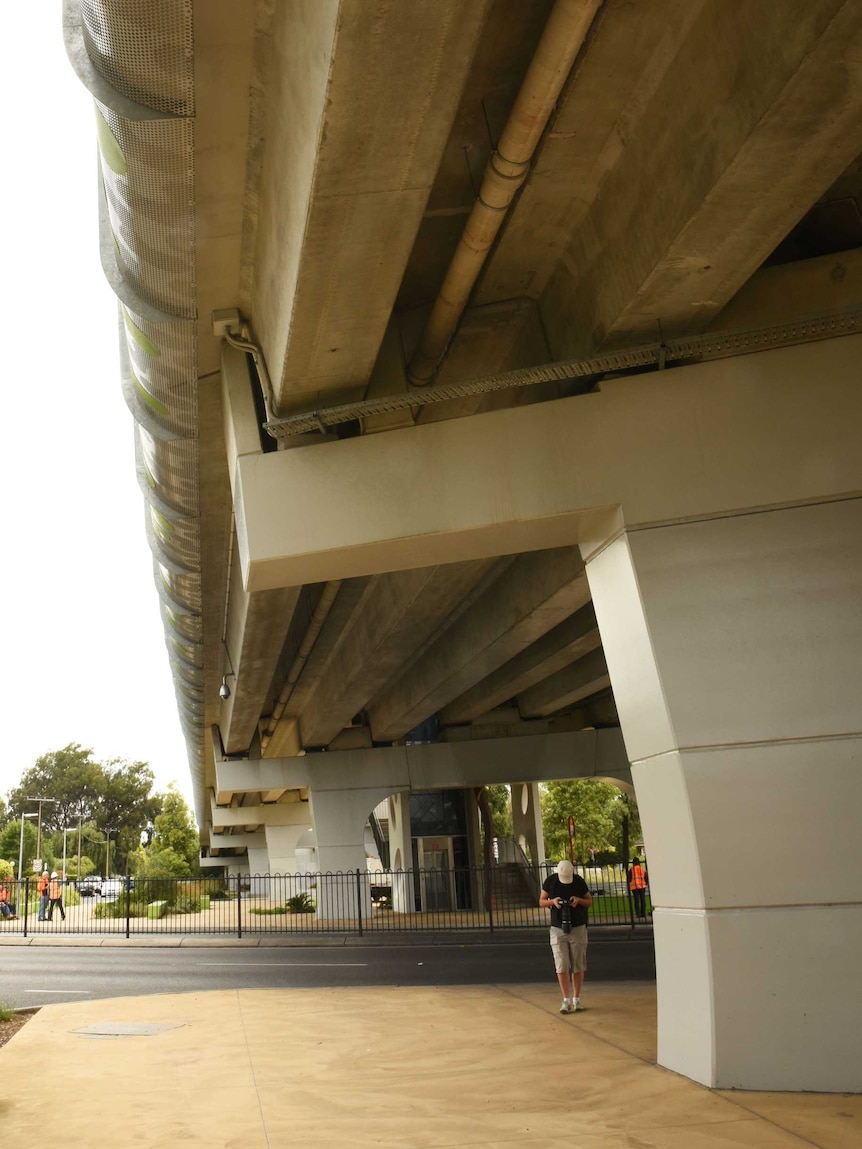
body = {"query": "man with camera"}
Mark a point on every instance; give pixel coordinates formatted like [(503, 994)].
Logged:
[(565, 894)]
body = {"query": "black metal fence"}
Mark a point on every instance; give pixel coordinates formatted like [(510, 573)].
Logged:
[(405, 901)]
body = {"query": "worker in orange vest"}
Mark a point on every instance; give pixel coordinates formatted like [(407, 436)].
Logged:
[(55, 893), (42, 888), (637, 879)]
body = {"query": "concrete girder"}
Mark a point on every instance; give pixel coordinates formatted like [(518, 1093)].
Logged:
[(550, 474), (358, 110), (591, 125), (442, 765), (529, 598), (587, 676), (275, 814), (574, 637), (770, 102), (255, 841), (397, 614), (285, 740), (258, 622)]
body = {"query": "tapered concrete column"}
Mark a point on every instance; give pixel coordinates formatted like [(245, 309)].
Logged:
[(282, 843), (735, 652), (401, 852), (527, 820), (340, 817)]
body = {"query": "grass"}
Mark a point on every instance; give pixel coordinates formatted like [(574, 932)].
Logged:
[(7, 1012)]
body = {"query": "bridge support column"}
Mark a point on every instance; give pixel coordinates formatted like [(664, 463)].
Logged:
[(339, 821), (527, 820), (281, 846), (735, 652)]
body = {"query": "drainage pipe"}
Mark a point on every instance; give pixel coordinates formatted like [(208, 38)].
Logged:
[(318, 618), (507, 169)]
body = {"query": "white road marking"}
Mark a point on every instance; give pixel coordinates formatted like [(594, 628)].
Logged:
[(288, 965), (84, 991)]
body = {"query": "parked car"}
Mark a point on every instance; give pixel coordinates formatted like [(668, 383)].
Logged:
[(90, 887), (111, 888)]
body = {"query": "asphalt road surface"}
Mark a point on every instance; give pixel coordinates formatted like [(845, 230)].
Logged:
[(39, 975)]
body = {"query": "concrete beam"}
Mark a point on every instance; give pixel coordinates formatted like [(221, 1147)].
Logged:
[(555, 473), (530, 597), (358, 112), (237, 841), (769, 99), (581, 754), (574, 637), (258, 622), (587, 676), (594, 119), (398, 614), (275, 814)]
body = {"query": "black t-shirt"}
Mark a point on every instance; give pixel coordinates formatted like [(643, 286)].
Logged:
[(577, 888)]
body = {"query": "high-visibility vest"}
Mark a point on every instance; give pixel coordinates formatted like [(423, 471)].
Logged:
[(43, 885), (638, 880), (55, 889)]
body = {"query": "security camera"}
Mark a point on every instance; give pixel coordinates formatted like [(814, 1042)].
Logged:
[(224, 691)]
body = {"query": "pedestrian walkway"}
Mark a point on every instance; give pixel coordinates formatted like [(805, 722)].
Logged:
[(486, 1067)]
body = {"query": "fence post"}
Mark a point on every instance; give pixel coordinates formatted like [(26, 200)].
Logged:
[(359, 899), (490, 897), (26, 900), (239, 905), (128, 902)]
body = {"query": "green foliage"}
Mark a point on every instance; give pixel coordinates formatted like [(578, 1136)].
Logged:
[(115, 794), (175, 830), (593, 805), (272, 911), (10, 838), (7, 870), (301, 903), (187, 903), (7, 1011), (165, 863), (500, 805), (4, 813)]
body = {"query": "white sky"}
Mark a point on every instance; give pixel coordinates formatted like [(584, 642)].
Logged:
[(84, 658)]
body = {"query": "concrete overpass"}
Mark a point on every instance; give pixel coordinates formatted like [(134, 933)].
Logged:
[(495, 374)]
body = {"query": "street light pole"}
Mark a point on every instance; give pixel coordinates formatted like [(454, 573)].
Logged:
[(110, 830), (39, 823), (21, 847)]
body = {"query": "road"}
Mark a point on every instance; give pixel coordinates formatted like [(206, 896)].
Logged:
[(39, 975)]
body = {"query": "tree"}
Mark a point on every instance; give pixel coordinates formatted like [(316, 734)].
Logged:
[(6, 869), (500, 805), (4, 814), (10, 841), (591, 803), (70, 777), (175, 830), (116, 795)]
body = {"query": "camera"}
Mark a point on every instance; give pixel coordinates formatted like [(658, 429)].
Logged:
[(566, 912)]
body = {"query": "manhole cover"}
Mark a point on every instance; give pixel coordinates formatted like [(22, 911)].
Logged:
[(127, 1028)]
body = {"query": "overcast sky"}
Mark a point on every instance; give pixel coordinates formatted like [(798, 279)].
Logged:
[(84, 658)]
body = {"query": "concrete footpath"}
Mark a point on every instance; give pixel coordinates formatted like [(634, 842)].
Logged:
[(484, 1067)]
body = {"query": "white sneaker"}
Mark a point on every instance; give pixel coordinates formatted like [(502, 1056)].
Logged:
[(576, 1005), (568, 1006)]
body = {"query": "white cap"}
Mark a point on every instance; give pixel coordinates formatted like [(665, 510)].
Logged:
[(565, 872), (54, 874)]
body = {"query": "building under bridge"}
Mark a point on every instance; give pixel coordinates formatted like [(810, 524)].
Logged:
[(495, 375)]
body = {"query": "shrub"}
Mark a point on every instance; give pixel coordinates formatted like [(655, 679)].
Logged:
[(301, 904), (187, 903)]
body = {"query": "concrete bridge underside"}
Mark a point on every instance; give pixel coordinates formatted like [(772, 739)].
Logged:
[(654, 552)]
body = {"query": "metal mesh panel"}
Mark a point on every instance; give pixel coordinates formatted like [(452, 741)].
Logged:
[(183, 587), (144, 49), (170, 467), (160, 360), (151, 208)]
